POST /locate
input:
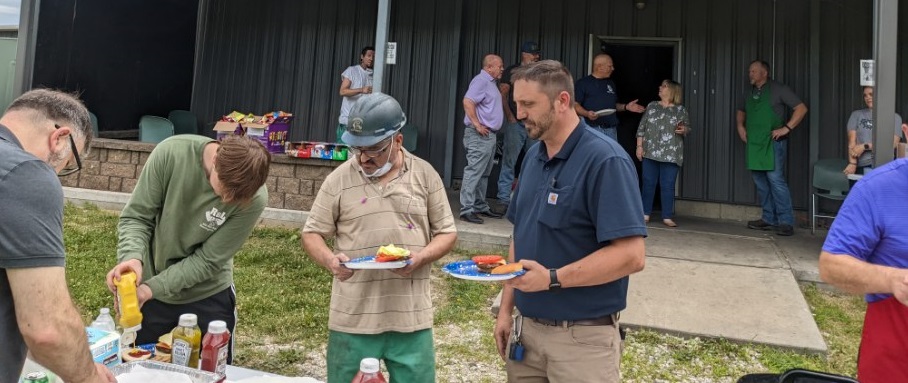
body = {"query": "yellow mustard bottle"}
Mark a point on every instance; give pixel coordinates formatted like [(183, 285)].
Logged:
[(128, 301), (187, 342)]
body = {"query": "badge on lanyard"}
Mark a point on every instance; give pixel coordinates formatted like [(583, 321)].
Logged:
[(553, 198)]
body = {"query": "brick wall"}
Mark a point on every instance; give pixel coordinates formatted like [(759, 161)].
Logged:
[(114, 165)]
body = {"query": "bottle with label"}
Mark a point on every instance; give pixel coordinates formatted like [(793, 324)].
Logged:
[(187, 340), (130, 316), (369, 372), (215, 346)]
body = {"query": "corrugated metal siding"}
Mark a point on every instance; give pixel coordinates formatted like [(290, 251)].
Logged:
[(292, 58), (719, 39), (261, 56)]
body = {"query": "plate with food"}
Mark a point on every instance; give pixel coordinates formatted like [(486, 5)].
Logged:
[(387, 257), (487, 268), (605, 112)]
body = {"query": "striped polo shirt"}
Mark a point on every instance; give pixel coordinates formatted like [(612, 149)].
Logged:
[(362, 215)]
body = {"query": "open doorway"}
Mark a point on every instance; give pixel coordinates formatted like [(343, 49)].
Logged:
[(641, 64)]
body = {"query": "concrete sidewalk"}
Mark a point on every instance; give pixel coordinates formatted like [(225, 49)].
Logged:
[(707, 278)]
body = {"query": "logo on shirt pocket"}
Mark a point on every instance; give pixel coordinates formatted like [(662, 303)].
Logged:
[(553, 214)]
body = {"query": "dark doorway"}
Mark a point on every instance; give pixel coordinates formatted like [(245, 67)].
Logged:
[(640, 67)]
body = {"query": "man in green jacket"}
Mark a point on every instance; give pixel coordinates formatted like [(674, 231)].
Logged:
[(192, 209)]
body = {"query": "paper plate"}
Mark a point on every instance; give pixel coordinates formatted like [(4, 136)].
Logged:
[(368, 263), (467, 270), (605, 112)]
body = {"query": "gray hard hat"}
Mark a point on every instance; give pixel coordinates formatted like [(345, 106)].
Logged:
[(372, 119)]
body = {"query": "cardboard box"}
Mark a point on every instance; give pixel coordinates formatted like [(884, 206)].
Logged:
[(105, 346), (273, 135), (322, 150)]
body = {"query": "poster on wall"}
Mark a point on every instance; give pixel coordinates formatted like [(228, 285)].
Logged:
[(866, 72)]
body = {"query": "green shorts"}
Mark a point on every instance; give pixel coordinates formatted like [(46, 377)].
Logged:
[(409, 357)]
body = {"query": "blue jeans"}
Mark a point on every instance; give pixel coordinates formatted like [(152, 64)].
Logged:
[(665, 174), (515, 140), (609, 131), (773, 189), (480, 151)]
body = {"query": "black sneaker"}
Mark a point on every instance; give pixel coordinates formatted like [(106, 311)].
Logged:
[(785, 230), (491, 214), (760, 224), (471, 218)]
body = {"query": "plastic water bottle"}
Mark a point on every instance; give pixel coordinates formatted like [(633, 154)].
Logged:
[(369, 372), (105, 321)]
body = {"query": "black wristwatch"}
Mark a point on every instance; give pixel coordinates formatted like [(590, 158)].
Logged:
[(554, 285), (866, 146)]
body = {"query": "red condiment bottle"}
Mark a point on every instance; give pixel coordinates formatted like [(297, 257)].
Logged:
[(215, 345), (369, 372)]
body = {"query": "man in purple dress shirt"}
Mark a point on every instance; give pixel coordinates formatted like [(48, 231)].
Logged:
[(483, 118)]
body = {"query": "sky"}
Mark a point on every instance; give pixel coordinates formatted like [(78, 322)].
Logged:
[(9, 12)]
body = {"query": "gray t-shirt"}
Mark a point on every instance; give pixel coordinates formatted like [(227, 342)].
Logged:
[(31, 235), (359, 77), (861, 121), (780, 96)]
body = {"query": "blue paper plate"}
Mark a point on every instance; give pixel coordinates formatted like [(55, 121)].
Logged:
[(368, 263), (467, 270)]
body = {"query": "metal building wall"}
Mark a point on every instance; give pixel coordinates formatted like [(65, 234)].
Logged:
[(719, 39), (284, 54)]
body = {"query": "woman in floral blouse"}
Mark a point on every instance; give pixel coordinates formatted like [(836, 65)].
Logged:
[(660, 145)]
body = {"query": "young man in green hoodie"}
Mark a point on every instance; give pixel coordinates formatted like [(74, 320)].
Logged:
[(193, 207)]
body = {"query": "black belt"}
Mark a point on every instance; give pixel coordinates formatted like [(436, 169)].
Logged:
[(607, 320)]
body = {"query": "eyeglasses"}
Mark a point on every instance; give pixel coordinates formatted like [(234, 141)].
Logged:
[(371, 153), (69, 169)]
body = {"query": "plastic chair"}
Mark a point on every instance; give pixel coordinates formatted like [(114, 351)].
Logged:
[(828, 182), (154, 129), (410, 135), (184, 122), (94, 123)]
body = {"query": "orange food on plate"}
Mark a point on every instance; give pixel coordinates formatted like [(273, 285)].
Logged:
[(391, 253), (508, 268), (485, 263)]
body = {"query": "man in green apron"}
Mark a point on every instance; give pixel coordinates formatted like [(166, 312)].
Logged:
[(765, 135)]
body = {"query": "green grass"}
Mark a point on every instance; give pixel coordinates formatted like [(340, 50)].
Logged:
[(283, 304)]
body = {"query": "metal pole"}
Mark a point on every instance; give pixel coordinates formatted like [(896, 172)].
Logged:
[(381, 43), (885, 31), (25, 50)]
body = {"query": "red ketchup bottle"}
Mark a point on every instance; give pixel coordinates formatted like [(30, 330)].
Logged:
[(215, 345), (369, 372)]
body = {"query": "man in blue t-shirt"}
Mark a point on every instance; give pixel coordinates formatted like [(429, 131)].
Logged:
[(866, 252), (41, 135), (578, 231), (597, 99)]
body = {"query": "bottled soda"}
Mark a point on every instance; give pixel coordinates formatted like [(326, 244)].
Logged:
[(215, 346), (369, 372), (187, 340)]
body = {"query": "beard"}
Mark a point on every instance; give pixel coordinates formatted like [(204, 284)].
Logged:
[(55, 159), (537, 127)]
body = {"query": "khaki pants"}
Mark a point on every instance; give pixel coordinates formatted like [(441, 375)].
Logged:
[(575, 354)]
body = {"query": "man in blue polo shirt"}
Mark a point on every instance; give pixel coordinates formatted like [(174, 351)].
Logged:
[(578, 230), (596, 93), (866, 252)]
